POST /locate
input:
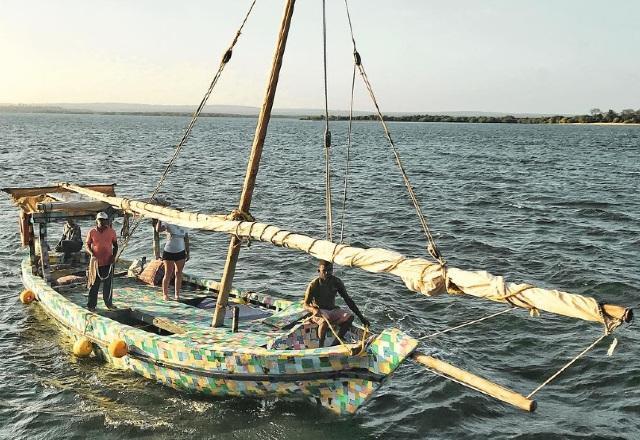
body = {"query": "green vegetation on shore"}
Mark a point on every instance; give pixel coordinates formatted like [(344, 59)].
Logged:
[(595, 116), (628, 116)]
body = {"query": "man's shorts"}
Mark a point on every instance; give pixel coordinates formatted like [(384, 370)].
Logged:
[(335, 316)]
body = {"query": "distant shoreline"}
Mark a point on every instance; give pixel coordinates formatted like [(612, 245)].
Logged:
[(603, 123), (113, 113), (605, 119), (627, 117)]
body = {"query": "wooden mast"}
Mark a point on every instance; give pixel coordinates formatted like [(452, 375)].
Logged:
[(253, 165)]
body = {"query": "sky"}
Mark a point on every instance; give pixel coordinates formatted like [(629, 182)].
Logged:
[(513, 56)]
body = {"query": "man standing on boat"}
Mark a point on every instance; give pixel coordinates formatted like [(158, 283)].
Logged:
[(102, 245), (320, 300)]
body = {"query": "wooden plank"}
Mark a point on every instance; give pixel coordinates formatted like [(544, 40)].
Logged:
[(77, 205), (38, 190), (161, 323), (45, 217)]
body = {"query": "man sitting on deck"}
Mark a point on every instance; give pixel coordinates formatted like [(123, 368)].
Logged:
[(320, 300), (71, 240)]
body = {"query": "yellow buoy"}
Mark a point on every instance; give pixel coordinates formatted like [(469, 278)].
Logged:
[(27, 296), (118, 348), (82, 347)]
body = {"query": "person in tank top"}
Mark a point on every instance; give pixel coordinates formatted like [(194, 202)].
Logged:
[(174, 256)]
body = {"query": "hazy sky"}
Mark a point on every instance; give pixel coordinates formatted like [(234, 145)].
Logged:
[(544, 56)]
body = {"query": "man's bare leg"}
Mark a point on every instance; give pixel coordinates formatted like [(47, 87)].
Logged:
[(344, 328), (322, 332)]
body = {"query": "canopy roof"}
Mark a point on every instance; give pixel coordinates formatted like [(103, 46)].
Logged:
[(44, 198)]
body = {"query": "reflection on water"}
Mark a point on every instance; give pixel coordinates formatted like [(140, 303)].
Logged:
[(552, 205)]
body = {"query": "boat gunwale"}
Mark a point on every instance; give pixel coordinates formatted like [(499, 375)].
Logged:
[(334, 352)]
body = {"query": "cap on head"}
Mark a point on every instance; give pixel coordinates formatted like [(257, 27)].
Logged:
[(102, 216)]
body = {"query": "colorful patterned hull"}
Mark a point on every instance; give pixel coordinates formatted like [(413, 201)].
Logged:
[(273, 356)]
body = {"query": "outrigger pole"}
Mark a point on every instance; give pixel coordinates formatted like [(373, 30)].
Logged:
[(253, 165)]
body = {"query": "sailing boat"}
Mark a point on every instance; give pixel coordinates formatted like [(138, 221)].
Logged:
[(257, 345)]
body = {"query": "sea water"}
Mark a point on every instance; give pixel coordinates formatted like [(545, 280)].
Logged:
[(552, 205)]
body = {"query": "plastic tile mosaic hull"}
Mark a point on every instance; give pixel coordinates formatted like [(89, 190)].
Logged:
[(260, 359)]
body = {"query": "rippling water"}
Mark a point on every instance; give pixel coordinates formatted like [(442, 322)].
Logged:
[(553, 205)]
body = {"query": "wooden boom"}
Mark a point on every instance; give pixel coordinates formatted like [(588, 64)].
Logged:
[(417, 274)]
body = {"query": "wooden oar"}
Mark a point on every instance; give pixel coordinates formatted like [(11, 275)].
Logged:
[(483, 385)]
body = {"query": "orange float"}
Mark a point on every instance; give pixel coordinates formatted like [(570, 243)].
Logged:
[(82, 347), (118, 348), (27, 296)]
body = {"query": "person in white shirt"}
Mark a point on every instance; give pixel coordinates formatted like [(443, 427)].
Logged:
[(174, 256)]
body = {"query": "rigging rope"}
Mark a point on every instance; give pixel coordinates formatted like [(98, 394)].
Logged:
[(327, 134), (431, 247), (223, 62), (567, 365), (348, 161), (465, 324)]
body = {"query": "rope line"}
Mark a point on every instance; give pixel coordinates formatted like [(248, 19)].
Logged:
[(465, 324), (348, 160), (223, 62), (567, 365), (344, 344), (327, 133), (431, 247)]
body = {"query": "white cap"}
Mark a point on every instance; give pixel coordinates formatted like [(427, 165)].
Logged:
[(102, 216)]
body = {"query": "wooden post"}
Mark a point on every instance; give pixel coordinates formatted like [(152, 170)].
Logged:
[(33, 260), (235, 317), (156, 241), (253, 165), (471, 380), (44, 252)]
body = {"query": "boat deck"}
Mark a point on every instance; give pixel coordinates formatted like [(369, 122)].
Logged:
[(189, 319)]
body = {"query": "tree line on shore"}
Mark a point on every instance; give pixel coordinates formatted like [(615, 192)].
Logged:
[(627, 116)]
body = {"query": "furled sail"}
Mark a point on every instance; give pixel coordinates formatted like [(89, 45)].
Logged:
[(418, 274)]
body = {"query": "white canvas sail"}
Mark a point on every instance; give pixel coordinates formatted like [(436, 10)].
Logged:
[(418, 274)]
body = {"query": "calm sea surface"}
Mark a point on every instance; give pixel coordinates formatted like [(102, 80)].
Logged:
[(557, 206)]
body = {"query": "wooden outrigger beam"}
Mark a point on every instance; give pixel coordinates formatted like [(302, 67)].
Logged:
[(475, 382)]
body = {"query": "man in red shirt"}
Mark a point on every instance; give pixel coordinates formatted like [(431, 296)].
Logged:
[(102, 245)]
